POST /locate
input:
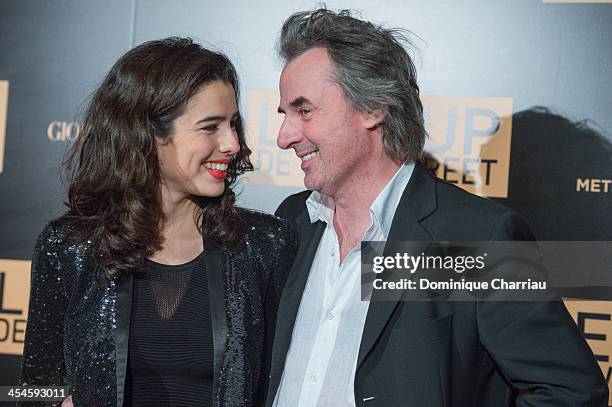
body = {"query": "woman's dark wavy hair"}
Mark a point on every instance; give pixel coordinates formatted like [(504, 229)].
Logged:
[(114, 196)]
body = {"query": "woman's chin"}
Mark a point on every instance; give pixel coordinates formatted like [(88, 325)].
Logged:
[(211, 192)]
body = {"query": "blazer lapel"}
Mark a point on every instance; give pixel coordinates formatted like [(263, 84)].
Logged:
[(417, 202), (124, 289), (309, 235), (215, 273)]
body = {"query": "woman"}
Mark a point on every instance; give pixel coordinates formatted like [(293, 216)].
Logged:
[(153, 288)]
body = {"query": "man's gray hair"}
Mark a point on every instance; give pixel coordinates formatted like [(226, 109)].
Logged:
[(372, 67)]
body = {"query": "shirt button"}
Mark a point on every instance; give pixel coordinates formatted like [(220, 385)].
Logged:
[(314, 377), (332, 252), (331, 316)]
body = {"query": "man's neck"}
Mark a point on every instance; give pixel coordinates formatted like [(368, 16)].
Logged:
[(355, 200), (352, 205)]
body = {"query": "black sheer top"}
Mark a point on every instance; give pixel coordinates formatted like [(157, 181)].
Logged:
[(170, 341)]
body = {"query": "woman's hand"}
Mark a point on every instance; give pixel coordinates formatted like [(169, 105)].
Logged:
[(67, 402)]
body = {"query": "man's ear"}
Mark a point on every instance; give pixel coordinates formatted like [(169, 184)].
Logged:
[(372, 120)]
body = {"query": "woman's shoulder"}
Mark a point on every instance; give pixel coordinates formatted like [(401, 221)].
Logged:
[(57, 235), (265, 228), (255, 219), (50, 249), (55, 231), (269, 241)]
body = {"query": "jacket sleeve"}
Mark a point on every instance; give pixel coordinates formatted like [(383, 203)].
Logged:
[(537, 345), (43, 356), (280, 262)]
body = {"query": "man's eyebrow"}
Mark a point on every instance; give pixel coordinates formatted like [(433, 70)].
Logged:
[(295, 103)]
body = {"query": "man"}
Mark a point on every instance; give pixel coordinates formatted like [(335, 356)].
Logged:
[(353, 116)]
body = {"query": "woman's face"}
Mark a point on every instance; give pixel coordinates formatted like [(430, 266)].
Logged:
[(195, 157)]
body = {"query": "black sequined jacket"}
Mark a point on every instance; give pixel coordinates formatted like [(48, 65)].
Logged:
[(78, 329)]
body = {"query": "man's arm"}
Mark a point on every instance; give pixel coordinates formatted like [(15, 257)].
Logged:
[(537, 345)]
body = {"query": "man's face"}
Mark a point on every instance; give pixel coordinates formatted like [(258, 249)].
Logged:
[(321, 126)]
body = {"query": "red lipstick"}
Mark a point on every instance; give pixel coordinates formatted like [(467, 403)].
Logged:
[(216, 173)]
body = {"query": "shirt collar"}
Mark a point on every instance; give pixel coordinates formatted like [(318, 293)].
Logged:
[(321, 207)]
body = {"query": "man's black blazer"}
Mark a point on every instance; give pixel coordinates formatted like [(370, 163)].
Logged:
[(436, 353)]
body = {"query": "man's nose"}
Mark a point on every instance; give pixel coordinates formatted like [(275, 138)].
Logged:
[(288, 135)]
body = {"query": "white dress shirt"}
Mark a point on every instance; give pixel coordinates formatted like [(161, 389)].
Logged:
[(322, 358)]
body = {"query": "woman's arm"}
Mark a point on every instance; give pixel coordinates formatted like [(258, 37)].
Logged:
[(280, 261), (43, 354)]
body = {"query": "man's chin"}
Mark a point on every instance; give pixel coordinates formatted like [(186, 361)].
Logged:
[(310, 183)]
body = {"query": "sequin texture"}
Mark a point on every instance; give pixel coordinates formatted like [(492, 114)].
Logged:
[(72, 325)]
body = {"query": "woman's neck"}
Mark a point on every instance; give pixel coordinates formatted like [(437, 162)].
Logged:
[(182, 240)]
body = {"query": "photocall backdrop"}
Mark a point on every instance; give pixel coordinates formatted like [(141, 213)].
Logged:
[(518, 100)]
